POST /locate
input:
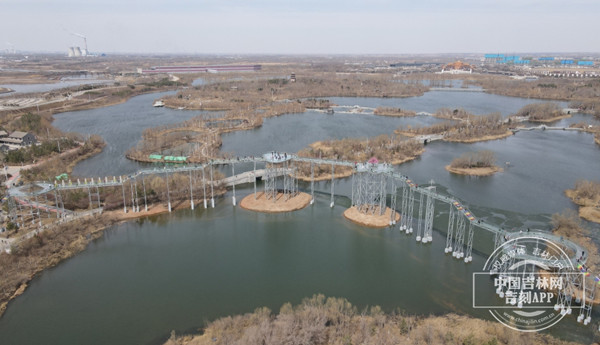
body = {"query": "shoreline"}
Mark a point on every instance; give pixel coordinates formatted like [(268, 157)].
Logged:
[(480, 139), (552, 119), (344, 321), (94, 228), (485, 171), (588, 209)]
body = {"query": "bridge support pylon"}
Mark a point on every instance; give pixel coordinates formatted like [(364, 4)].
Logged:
[(191, 192), (332, 183), (459, 239), (420, 223), (212, 192), (429, 211), (168, 192), (409, 211), (450, 232), (233, 184)]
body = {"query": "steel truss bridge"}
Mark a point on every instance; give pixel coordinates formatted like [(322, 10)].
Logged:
[(371, 183)]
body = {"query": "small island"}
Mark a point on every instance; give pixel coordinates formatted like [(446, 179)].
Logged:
[(390, 111), (391, 149), (374, 220), (586, 194), (480, 163), (261, 203)]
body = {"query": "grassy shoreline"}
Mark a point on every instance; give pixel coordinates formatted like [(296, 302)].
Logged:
[(481, 138), (320, 320), (589, 207)]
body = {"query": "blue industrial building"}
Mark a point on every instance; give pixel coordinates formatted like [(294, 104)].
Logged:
[(517, 60)]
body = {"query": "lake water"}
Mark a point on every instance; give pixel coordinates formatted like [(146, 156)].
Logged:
[(479, 103), (144, 278), (121, 127)]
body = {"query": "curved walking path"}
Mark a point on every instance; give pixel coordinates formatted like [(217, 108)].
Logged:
[(579, 254)]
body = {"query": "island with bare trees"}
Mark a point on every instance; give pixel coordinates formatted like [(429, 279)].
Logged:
[(480, 163)]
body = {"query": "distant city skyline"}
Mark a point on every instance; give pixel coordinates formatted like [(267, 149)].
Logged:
[(301, 27)]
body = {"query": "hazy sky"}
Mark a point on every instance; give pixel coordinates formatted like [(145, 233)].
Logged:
[(302, 26)]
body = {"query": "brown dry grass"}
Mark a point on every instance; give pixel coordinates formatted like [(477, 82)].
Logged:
[(569, 225), (542, 112), (481, 138), (580, 91), (319, 320), (587, 195), (463, 127)]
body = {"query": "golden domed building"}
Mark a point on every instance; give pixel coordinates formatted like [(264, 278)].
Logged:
[(457, 67)]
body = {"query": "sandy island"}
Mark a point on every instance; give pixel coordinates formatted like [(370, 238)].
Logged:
[(370, 220), (597, 140), (486, 171), (262, 204), (588, 209)]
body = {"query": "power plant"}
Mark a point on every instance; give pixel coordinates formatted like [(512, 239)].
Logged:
[(76, 51)]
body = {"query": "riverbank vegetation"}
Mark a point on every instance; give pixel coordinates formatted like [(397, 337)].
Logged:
[(586, 194), (479, 163), (44, 149), (320, 320), (581, 90), (568, 225), (64, 162), (542, 112)]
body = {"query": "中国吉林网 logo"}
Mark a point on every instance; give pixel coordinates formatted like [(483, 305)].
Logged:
[(535, 284)]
